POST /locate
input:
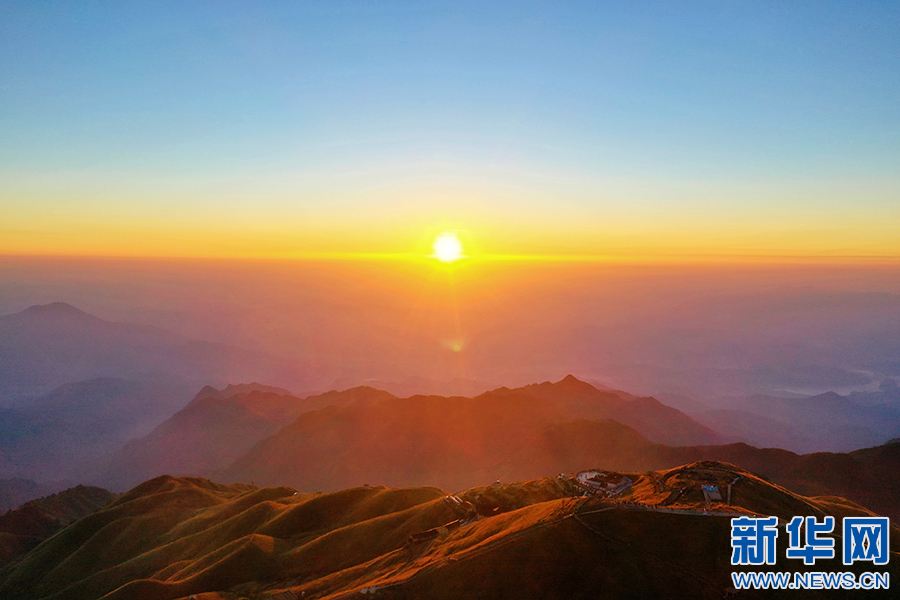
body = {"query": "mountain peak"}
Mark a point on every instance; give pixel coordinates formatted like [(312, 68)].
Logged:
[(247, 388), (208, 391), (569, 386), (58, 310), (570, 382), (830, 399)]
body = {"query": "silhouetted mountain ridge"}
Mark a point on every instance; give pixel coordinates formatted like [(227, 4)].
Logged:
[(827, 421), (510, 435), (60, 433), (59, 310), (16, 491), (37, 520), (505, 433), (46, 346), (214, 429)]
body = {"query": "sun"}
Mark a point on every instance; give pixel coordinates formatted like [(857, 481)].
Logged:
[(447, 247)]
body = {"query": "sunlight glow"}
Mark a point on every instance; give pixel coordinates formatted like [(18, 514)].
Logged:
[(447, 247)]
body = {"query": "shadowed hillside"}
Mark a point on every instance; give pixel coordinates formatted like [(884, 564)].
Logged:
[(32, 523), (215, 429), (405, 444), (455, 442), (170, 538), (575, 399), (522, 434), (870, 476)]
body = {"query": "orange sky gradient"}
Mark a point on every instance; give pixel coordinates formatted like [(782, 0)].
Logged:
[(687, 239)]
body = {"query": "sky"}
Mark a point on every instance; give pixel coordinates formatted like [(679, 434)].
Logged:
[(558, 129)]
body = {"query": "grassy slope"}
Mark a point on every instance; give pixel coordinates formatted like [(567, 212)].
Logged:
[(170, 538), (27, 526)]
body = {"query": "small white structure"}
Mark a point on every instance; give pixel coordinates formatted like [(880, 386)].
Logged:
[(602, 483)]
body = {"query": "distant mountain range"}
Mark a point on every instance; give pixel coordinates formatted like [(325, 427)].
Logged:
[(87, 400), (358, 436), (805, 424), (58, 434), (453, 442), (329, 527), (216, 427), (74, 387), (517, 434), (420, 386), (46, 346)]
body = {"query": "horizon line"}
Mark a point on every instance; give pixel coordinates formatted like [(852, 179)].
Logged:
[(680, 258)]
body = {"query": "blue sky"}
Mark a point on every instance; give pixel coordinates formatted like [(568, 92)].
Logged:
[(310, 110)]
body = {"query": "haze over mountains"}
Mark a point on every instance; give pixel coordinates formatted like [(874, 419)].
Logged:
[(453, 442), (46, 346), (116, 432), (215, 429), (808, 424), (703, 331), (218, 427), (343, 439), (511, 435), (57, 434), (74, 387)]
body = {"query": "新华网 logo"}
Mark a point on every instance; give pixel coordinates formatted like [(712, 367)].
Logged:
[(865, 539)]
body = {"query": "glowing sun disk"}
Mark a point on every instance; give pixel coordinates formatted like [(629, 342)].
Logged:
[(447, 247)]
